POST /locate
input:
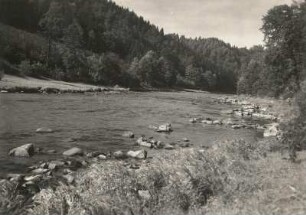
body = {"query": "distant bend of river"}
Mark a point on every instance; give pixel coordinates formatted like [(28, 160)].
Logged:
[(97, 122)]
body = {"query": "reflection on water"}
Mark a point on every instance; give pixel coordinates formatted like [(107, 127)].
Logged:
[(96, 122)]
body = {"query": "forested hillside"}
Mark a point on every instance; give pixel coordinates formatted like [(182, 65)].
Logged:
[(98, 42)]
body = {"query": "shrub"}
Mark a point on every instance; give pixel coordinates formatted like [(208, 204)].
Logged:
[(295, 132)]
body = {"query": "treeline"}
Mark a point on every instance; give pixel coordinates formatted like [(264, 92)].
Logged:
[(279, 68), (98, 42)]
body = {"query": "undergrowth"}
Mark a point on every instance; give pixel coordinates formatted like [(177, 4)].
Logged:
[(178, 182)]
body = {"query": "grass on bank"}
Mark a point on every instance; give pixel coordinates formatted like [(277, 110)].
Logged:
[(10, 82), (234, 177)]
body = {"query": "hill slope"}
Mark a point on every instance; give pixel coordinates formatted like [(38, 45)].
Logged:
[(98, 42)]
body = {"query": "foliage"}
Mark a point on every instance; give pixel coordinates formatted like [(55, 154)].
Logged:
[(77, 38), (295, 132), (279, 69), (180, 181)]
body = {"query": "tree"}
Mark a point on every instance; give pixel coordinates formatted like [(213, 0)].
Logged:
[(148, 69), (283, 29), (168, 73)]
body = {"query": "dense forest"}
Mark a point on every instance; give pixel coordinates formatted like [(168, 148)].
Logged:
[(96, 41)]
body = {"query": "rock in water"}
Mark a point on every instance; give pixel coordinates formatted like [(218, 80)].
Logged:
[(69, 178), (164, 128), (193, 120), (228, 121), (44, 130), (143, 142), (141, 154), (272, 130), (102, 157), (217, 122), (40, 171), (119, 155), (237, 126), (73, 152), (207, 121), (93, 154), (169, 147), (128, 134), (186, 139), (55, 164), (184, 145), (23, 151)]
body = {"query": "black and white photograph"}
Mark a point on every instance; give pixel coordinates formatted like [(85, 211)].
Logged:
[(152, 107)]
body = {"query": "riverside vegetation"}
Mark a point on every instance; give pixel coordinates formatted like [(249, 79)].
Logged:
[(98, 42)]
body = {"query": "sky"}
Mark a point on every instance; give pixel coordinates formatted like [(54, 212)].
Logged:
[(234, 21)]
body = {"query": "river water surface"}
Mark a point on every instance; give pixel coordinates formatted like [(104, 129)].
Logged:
[(96, 122)]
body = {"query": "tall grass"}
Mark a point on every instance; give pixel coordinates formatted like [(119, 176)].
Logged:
[(232, 177), (179, 182)]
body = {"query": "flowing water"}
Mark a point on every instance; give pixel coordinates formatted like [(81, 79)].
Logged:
[(97, 122)]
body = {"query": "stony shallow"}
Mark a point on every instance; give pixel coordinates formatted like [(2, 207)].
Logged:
[(97, 122)]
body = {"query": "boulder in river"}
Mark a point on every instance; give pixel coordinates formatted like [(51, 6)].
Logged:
[(39, 171), (73, 152), (184, 145), (26, 150), (272, 130), (217, 122), (128, 134), (143, 142), (193, 120), (119, 155), (165, 128), (158, 145), (14, 177), (44, 130), (55, 164), (237, 126), (33, 178), (93, 154), (186, 139), (207, 121), (102, 157), (169, 147), (141, 154), (228, 121), (51, 151)]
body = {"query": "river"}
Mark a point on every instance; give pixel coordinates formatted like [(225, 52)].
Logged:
[(96, 122)]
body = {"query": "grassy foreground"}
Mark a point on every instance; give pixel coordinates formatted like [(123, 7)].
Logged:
[(233, 177)]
